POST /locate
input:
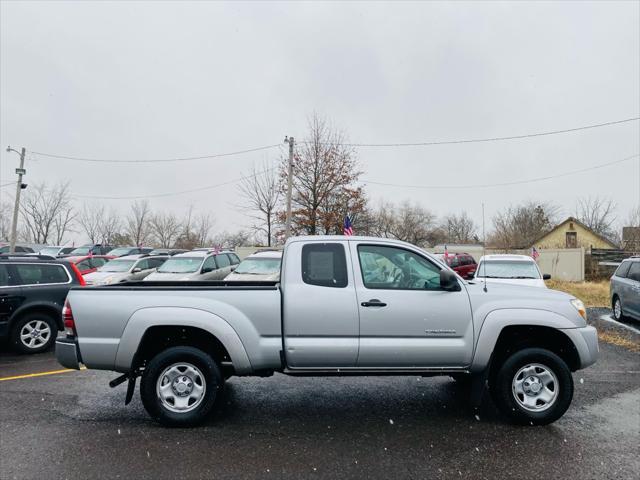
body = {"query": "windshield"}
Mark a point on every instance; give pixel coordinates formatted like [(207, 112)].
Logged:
[(181, 265), (507, 269), (53, 251), (117, 266), (259, 266), (119, 252), (81, 251)]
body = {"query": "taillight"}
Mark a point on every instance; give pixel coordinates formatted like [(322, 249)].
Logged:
[(67, 319), (78, 275)]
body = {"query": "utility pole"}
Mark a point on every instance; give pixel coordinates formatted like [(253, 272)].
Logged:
[(287, 230), (16, 208)]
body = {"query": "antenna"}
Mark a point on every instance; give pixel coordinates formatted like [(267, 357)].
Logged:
[(484, 251)]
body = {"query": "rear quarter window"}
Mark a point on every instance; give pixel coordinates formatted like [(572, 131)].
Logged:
[(38, 274), (623, 270), (324, 265)]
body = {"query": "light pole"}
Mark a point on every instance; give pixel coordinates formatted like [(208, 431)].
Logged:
[(16, 208), (287, 228)]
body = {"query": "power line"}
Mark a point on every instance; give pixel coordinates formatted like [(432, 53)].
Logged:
[(490, 139), (156, 160), (267, 147), (180, 192), (7, 184), (504, 184)]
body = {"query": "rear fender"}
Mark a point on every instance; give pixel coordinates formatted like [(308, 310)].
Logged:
[(145, 318)]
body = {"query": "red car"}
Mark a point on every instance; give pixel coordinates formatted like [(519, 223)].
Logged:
[(88, 264), (461, 263)]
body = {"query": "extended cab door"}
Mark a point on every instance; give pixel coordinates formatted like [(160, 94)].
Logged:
[(406, 319), (320, 312)]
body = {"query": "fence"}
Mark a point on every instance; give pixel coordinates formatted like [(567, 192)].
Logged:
[(601, 263)]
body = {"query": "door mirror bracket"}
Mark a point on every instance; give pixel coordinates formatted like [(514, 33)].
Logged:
[(448, 281)]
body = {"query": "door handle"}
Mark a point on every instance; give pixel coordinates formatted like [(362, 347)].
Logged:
[(374, 302)]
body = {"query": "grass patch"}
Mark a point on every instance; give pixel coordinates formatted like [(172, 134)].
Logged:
[(593, 294), (619, 340)]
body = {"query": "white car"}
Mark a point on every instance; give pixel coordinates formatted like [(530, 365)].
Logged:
[(517, 269), (261, 266), (198, 265)]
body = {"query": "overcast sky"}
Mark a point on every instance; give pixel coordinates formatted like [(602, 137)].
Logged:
[(160, 80)]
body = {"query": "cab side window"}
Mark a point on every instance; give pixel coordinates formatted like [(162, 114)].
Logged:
[(324, 265), (397, 269)]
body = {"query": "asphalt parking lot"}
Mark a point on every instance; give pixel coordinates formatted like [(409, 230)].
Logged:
[(71, 425)]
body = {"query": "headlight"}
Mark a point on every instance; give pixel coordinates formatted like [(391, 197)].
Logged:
[(579, 306)]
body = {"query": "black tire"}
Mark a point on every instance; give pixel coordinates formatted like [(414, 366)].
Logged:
[(506, 399), (45, 335), (210, 377), (618, 316)]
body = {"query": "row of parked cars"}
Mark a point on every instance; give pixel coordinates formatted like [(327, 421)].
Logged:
[(33, 287)]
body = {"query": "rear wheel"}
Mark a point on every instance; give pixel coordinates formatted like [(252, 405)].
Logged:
[(533, 386), (34, 333), (617, 309), (180, 386)]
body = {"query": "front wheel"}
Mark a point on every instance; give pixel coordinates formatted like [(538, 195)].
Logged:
[(534, 386), (180, 386)]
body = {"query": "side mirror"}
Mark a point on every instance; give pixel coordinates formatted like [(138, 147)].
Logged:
[(233, 267), (207, 270), (546, 276), (448, 281), (136, 270)]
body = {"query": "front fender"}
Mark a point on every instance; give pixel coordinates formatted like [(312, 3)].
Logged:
[(496, 320), (145, 318)]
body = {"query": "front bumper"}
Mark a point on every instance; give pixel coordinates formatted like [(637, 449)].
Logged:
[(585, 340), (67, 352)]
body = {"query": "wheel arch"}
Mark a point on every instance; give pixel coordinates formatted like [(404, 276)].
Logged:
[(52, 309), (150, 330)]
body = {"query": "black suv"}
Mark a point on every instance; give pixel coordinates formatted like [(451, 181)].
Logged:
[(32, 293)]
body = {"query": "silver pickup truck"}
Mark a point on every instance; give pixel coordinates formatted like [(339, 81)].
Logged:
[(343, 306)]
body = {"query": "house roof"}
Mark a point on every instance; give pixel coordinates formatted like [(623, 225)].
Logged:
[(576, 221)]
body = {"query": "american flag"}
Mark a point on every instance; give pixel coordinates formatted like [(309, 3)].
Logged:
[(534, 253), (446, 255), (347, 228)]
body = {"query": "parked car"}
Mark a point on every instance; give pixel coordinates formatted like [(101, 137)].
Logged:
[(461, 263), (519, 269), (5, 248), (56, 251), (125, 269), (89, 264), (343, 305), (167, 251), (91, 249), (124, 251), (625, 290), (199, 266), (263, 265), (32, 293)]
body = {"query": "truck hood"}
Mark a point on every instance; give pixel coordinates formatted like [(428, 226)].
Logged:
[(251, 277), (528, 282), (501, 296), (171, 277), (100, 278)]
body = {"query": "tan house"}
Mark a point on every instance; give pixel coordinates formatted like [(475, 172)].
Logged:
[(572, 233)]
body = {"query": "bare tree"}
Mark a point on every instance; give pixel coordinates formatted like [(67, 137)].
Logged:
[(407, 222), (459, 228), (47, 213), (165, 229), (110, 227), (598, 214), (196, 230), (261, 192), (90, 220), (6, 212), (519, 226), (324, 181), (240, 238), (633, 220), (137, 223)]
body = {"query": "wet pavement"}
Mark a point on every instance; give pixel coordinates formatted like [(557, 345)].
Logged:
[(72, 425)]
